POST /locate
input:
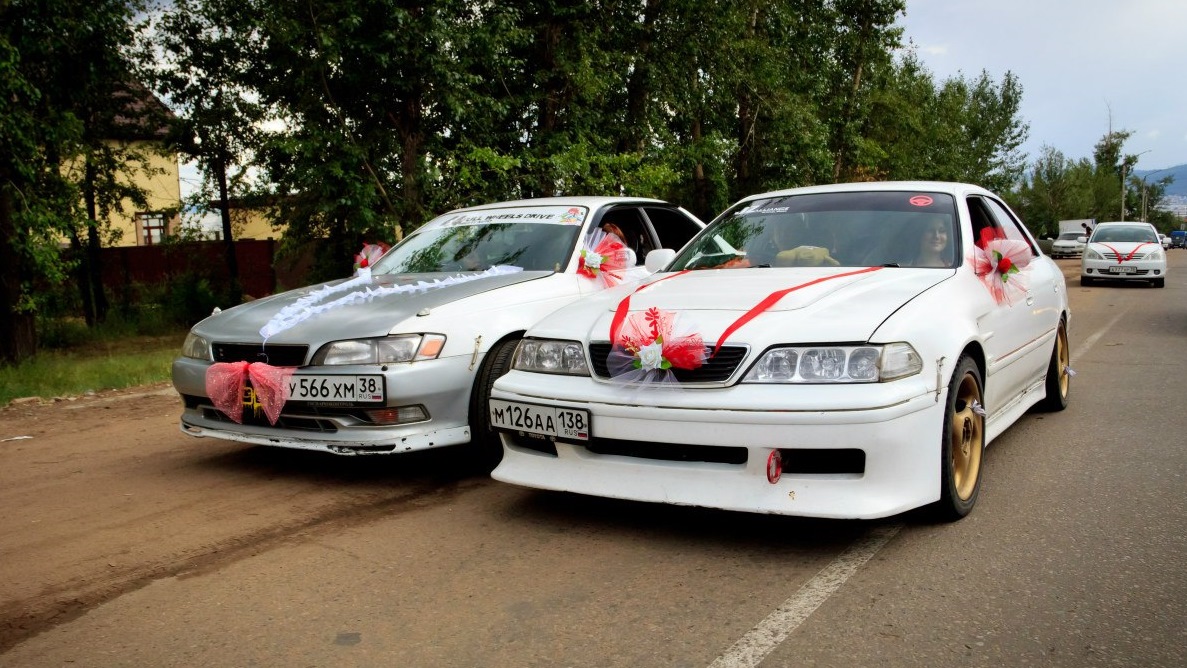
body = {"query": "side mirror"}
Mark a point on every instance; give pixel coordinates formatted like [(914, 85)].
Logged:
[(658, 259)]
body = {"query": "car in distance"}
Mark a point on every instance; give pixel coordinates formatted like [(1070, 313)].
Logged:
[(1068, 244), (841, 351), (1178, 238), (401, 357), (1124, 251)]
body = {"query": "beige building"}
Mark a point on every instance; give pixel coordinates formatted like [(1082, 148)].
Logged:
[(140, 132)]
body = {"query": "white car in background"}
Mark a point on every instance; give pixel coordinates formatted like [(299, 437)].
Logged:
[(1124, 251), (842, 351), (1068, 244), (401, 357)]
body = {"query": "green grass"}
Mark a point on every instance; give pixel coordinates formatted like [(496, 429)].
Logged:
[(95, 365)]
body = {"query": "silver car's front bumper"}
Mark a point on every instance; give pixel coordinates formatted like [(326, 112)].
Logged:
[(345, 428)]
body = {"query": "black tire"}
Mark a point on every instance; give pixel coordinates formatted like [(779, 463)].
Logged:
[(962, 444), (1160, 282), (485, 447), (1058, 374), (1085, 280)]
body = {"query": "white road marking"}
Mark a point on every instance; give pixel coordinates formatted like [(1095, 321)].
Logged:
[(768, 634), (1091, 340)]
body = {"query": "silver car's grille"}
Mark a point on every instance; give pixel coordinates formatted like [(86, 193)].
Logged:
[(276, 354), (715, 369)]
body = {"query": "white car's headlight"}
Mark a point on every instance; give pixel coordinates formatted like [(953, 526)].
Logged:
[(196, 347), (1156, 256), (551, 356), (835, 364), (1092, 255), (387, 350)]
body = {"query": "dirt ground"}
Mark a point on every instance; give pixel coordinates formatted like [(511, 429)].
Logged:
[(102, 495)]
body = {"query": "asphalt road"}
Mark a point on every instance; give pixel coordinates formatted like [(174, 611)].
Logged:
[(125, 543)]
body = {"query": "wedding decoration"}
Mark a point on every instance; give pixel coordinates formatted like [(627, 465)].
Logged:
[(999, 262), (647, 349), (311, 304), (604, 258), (226, 383)]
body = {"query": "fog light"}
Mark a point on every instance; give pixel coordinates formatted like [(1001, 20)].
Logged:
[(398, 415)]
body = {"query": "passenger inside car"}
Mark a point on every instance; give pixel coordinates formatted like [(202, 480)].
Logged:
[(933, 246), (802, 244)]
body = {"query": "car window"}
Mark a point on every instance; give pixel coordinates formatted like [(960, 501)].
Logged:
[(672, 227), (986, 211), (534, 238), (854, 229), (1124, 234)]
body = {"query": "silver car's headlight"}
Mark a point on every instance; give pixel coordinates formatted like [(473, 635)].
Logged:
[(551, 356), (835, 364), (386, 350), (1092, 255), (196, 347)]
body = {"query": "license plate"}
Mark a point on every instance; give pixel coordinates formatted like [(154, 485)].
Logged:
[(1118, 269), (569, 423), (359, 389)]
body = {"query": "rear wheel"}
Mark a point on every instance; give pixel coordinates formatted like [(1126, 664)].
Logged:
[(1058, 374), (485, 446), (963, 443)]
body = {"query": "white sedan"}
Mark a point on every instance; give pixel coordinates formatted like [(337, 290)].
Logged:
[(401, 357), (842, 351), (1124, 251)]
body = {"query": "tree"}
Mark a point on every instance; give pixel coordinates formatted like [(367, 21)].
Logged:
[(207, 48), (61, 65)]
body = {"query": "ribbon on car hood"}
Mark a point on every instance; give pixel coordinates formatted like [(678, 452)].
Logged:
[(311, 304)]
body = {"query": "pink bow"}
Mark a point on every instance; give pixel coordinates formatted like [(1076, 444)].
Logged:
[(225, 382)]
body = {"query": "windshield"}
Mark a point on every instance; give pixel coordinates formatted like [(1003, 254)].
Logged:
[(533, 238), (854, 229), (1125, 234)]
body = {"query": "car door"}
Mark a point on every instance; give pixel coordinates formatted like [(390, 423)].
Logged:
[(1017, 328)]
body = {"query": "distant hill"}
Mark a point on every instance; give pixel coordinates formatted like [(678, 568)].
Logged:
[(1178, 187)]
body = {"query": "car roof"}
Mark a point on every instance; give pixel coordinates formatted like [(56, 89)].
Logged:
[(592, 202), (955, 189)]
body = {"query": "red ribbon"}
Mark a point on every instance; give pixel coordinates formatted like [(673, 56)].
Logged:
[(1129, 257), (773, 298), (624, 306)]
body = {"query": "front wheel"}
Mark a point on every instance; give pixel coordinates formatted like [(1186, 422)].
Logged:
[(485, 446), (962, 443), (1160, 282), (1085, 281)]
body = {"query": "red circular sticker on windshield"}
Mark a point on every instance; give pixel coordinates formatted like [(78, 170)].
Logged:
[(920, 200)]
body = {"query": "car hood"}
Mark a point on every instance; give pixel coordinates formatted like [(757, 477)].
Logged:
[(820, 304), (357, 319)]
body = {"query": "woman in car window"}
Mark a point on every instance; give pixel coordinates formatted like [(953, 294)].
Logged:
[(934, 248)]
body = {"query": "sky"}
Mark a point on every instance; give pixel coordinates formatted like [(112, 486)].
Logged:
[(1082, 64)]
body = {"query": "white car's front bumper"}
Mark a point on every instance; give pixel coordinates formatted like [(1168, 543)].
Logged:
[(1143, 270), (898, 436)]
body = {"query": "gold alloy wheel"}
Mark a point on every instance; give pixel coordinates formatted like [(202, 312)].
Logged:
[(967, 437), (1065, 359)]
